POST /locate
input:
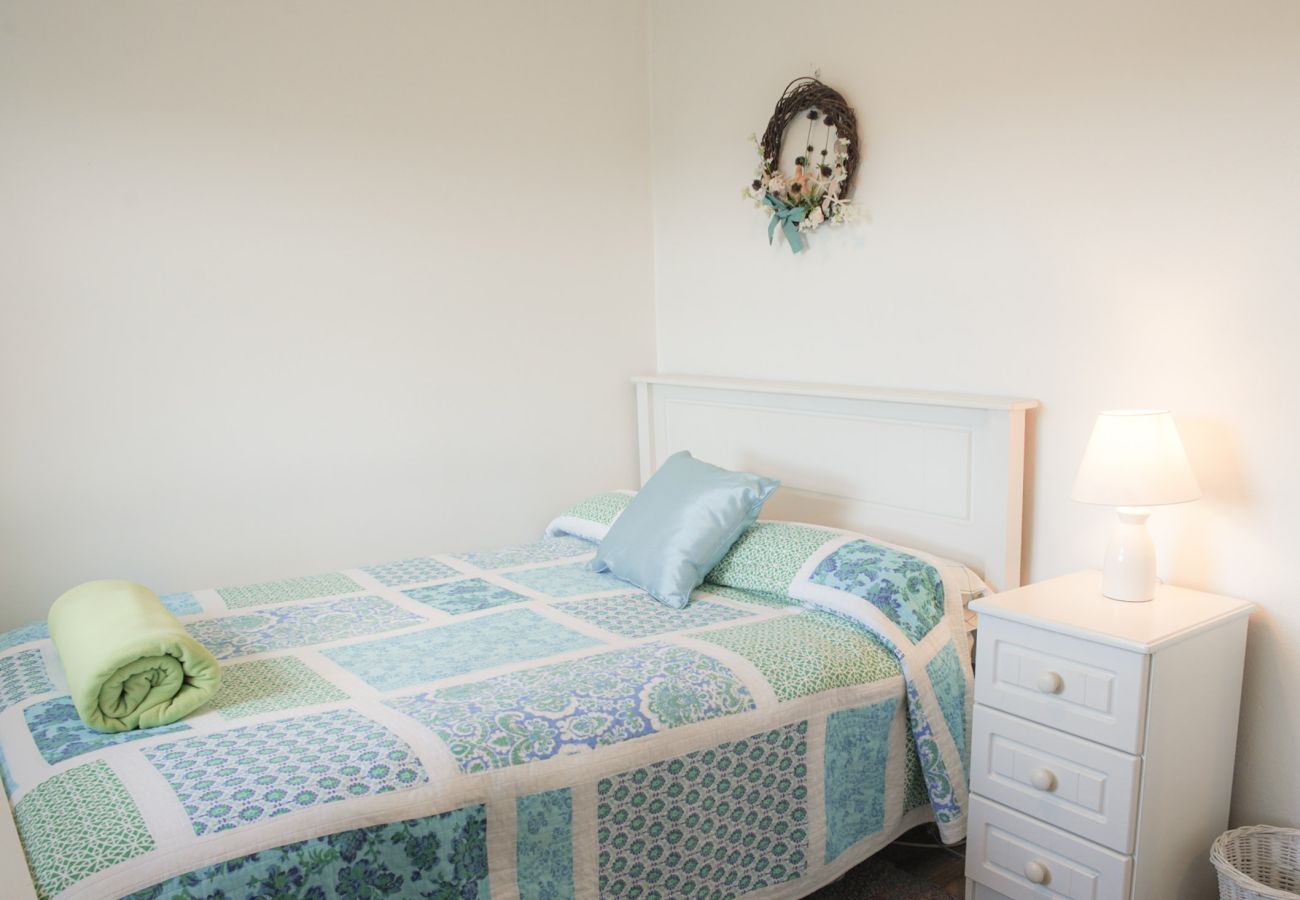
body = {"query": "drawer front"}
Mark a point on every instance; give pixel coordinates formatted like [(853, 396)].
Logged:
[(1083, 787), (1092, 690), (1027, 860)]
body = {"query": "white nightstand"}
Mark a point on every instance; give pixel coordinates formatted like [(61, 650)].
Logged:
[(1103, 741)]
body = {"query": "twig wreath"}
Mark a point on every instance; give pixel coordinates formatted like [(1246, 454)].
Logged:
[(818, 191)]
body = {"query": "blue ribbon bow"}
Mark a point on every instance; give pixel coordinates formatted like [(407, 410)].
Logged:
[(789, 218)]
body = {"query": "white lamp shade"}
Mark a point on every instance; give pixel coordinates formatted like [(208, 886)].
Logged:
[(1134, 458)]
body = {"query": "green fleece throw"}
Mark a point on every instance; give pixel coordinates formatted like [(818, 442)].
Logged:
[(128, 661)]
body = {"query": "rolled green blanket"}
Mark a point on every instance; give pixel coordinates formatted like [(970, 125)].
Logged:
[(128, 661)]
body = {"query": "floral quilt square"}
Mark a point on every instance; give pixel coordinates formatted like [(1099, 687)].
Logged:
[(808, 652), (6, 776), (567, 581), (270, 685), (184, 604), (515, 635), (742, 807), (22, 675), (857, 754), (410, 571), (441, 856), (287, 590), (546, 550), (640, 615), (544, 845), (467, 595), (768, 556), (949, 683), (602, 508), (915, 792), (574, 706), (25, 634), (257, 772), (60, 734), (284, 627), (754, 598), (77, 823), (908, 590)]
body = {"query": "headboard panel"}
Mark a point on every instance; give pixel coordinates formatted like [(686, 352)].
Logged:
[(940, 472)]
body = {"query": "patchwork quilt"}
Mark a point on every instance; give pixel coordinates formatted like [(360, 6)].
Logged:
[(510, 724)]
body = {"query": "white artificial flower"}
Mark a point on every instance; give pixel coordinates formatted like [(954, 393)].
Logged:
[(776, 184), (827, 183), (816, 218)]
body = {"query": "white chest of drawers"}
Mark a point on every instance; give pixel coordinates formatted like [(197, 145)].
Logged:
[(1103, 742)]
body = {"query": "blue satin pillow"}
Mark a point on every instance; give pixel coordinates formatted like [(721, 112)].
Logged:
[(680, 526)]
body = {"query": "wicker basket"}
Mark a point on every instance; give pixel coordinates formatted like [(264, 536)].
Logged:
[(1258, 862)]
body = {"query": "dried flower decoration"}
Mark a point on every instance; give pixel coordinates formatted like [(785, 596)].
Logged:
[(815, 194)]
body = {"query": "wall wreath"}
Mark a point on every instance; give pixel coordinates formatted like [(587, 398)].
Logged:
[(818, 190)]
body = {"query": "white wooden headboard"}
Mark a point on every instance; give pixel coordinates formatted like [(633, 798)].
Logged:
[(939, 472)]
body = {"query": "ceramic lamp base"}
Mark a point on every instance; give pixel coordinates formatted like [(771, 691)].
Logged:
[(1129, 572)]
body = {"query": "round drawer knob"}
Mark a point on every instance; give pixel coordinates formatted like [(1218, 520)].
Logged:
[(1043, 779), (1036, 872), (1050, 683)]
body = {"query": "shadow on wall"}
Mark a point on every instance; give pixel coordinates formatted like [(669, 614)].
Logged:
[(1228, 497), (1215, 454)]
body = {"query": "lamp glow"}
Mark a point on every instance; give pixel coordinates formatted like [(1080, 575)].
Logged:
[(1134, 460)]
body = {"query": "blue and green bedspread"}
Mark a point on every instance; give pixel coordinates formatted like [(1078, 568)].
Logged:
[(510, 724)]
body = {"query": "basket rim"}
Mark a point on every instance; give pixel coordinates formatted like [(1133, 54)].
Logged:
[(1225, 869)]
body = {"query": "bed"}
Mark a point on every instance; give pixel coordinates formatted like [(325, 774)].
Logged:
[(507, 723)]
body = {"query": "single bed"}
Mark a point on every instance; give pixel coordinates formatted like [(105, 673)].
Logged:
[(509, 724)]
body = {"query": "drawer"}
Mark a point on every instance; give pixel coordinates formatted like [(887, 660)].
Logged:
[(1083, 787), (1027, 860), (1092, 690)]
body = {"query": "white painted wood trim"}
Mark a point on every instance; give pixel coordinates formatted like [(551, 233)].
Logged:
[(1013, 428), (1193, 708), (1074, 605), (13, 862), (645, 428), (939, 472), (844, 391)]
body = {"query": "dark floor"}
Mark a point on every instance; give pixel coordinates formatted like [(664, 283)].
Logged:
[(898, 872)]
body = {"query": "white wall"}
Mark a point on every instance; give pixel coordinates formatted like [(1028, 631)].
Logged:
[(298, 285), (1096, 205)]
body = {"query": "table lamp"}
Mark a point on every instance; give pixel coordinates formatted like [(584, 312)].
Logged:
[(1133, 461)]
